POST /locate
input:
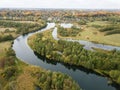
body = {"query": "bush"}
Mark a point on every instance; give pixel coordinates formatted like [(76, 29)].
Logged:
[(6, 38), (10, 72)]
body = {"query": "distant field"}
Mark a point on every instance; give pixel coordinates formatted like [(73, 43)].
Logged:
[(100, 23), (33, 22), (7, 31), (2, 29)]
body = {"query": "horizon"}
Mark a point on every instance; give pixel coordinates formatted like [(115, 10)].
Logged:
[(57, 9), (61, 4)]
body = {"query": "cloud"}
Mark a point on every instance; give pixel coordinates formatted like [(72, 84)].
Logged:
[(89, 4)]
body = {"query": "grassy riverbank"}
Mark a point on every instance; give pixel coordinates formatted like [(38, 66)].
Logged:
[(103, 62)]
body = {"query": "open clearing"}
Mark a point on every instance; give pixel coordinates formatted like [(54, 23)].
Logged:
[(90, 33), (3, 47)]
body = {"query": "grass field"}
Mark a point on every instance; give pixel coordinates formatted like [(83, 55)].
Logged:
[(2, 29), (90, 33), (11, 31), (4, 46)]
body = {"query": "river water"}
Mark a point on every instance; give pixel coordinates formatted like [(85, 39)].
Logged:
[(85, 78)]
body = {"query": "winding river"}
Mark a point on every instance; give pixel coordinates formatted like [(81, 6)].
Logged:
[(85, 78)]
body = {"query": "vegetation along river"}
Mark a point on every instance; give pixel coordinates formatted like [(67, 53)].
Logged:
[(87, 79)]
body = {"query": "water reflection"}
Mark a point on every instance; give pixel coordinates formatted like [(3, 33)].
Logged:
[(75, 69)]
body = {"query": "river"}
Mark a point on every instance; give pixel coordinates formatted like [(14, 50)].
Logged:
[(85, 78), (87, 44)]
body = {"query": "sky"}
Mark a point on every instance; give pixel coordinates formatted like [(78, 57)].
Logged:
[(77, 4)]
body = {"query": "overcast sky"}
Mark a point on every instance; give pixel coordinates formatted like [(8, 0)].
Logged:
[(87, 4)]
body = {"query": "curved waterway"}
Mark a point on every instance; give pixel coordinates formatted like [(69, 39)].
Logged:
[(87, 44), (85, 78)]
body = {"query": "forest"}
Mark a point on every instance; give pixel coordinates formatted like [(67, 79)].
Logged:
[(11, 69), (105, 62)]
